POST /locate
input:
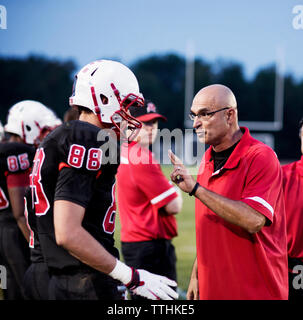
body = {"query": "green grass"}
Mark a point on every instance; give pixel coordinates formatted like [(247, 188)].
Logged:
[(185, 242)]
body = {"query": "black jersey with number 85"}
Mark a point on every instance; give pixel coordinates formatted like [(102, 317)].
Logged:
[(15, 158)]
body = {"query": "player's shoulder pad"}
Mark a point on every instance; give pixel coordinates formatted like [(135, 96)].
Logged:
[(82, 137), (16, 157), (15, 148), (76, 132)]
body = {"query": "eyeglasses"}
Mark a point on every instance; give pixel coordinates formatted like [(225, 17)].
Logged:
[(204, 115)]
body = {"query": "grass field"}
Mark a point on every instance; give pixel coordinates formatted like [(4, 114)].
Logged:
[(185, 242)]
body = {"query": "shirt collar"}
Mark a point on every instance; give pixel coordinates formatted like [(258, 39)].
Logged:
[(238, 153)]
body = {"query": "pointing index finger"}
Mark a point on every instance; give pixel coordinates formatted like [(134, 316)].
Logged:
[(174, 159)]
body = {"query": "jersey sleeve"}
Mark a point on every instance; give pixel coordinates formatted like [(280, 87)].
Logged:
[(151, 180), (75, 186), (263, 183), (20, 179)]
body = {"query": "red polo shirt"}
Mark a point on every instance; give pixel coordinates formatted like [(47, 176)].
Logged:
[(232, 263), (142, 191), (293, 195)]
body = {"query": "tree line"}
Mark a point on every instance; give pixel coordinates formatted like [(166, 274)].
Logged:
[(162, 80)]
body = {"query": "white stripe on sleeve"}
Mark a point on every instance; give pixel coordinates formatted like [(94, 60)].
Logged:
[(163, 195), (263, 202)]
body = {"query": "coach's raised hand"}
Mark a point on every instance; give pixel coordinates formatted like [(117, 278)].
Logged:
[(180, 175)]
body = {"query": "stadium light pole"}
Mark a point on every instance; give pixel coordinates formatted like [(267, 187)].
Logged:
[(279, 91), (277, 123), (189, 81)]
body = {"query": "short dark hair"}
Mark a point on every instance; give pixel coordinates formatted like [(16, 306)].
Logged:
[(83, 109), (71, 114)]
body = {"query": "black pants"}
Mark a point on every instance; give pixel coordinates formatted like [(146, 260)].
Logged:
[(84, 285), (14, 254), (36, 281), (156, 256)]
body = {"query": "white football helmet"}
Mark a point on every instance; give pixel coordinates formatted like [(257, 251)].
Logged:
[(108, 88), (1, 132), (50, 119), (29, 119)]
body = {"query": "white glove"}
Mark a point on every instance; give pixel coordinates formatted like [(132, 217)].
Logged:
[(144, 283)]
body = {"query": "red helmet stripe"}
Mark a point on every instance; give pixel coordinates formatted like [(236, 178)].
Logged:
[(97, 109), (116, 92), (23, 131), (92, 89)]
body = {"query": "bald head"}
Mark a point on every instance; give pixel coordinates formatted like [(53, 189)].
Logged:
[(216, 117), (215, 96)]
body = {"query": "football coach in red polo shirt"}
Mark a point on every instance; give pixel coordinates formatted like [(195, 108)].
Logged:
[(240, 216)]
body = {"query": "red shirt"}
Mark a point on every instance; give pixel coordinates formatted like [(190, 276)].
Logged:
[(293, 195), (232, 263), (142, 191)]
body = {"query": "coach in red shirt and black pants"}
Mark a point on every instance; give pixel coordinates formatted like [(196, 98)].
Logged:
[(147, 202), (293, 192), (240, 215)]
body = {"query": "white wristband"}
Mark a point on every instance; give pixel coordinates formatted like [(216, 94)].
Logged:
[(121, 272)]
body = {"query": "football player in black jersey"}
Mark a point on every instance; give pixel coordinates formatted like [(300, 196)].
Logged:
[(74, 190), (26, 124), (36, 277)]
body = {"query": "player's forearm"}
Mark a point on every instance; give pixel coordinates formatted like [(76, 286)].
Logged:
[(235, 212), (85, 248), (16, 195), (70, 234)]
